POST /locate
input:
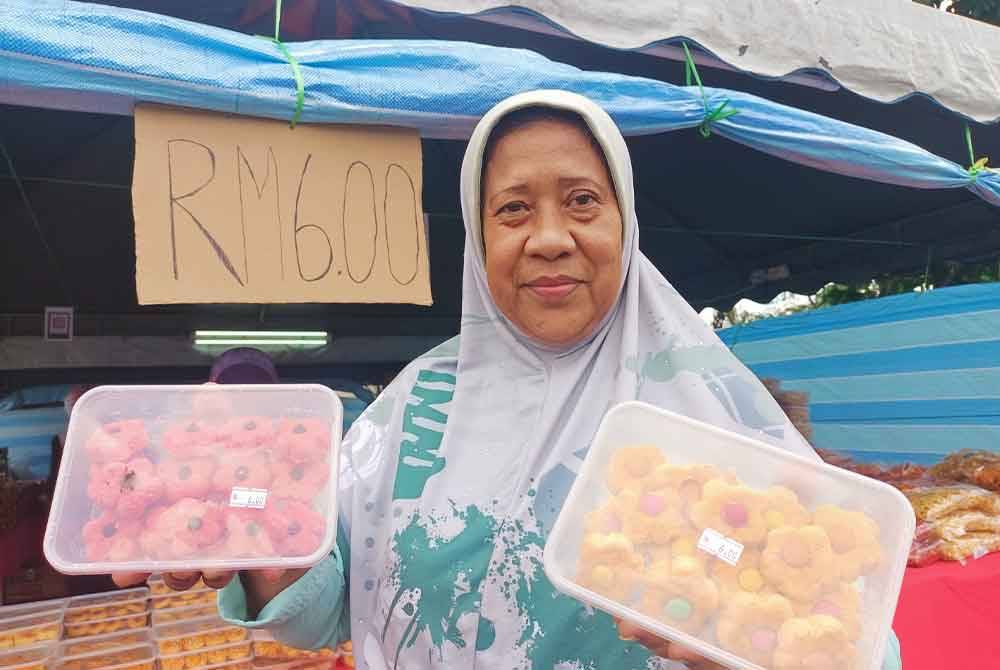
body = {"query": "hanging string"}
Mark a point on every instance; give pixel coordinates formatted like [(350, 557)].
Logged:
[(976, 167), (300, 92), (711, 115)]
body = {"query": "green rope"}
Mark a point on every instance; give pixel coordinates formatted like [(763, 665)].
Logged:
[(300, 89), (976, 167), (711, 115)]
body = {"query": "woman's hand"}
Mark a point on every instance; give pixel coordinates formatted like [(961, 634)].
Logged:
[(261, 586), (665, 648)]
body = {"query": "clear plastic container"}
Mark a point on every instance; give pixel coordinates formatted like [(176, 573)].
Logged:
[(137, 657), (82, 609), (100, 643), (265, 647), (183, 599), (27, 658), (33, 628), (207, 657), (752, 556), (106, 626), (195, 634), (178, 614), (158, 587), (179, 478), (324, 663)]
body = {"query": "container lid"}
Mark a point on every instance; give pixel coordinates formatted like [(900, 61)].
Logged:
[(169, 615), (16, 658), (83, 646), (160, 479), (192, 595), (31, 621), (106, 620), (739, 550), (181, 629), (27, 609), (202, 650), (144, 653), (79, 603)]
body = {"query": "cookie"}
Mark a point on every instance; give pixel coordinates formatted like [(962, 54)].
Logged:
[(678, 594), (734, 510), (299, 481), (249, 432), (609, 565), (798, 562), (117, 441), (126, 488), (605, 519), (685, 544), (242, 468), (842, 602), (191, 439), (750, 623), (294, 527), (109, 538), (630, 466), (743, 578), (688, 480), (814, 643), (183, 530), (246, 535), (190, 478), (303, 440), (854, 538), (653, 517), (782, 508)]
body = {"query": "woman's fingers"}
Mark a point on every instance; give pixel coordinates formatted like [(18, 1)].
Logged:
[(181, 581), (664, 648), (124, 580), (217, 580)]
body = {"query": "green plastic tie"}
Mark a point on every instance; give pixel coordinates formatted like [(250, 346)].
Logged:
[(976, 167), (722, 111), (300, 88)]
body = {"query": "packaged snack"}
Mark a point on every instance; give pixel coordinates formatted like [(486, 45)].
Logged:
[(178, 478), (106, 605), (100, 643), (105, 626), (138, 657), (158, 587), (980, 468), (35, 657), (183, 636), (931, 503), (207, 657), (178, 614), (184, 599), (745, 553), (31, 624), (266, 648)]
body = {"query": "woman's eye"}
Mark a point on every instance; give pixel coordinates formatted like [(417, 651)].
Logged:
[(512, 208), (583, 200)]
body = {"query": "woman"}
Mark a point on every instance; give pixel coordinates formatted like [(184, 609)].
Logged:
[(451, 481)]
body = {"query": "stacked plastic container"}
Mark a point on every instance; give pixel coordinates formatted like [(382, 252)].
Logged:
[(750, 555), (169, 606), (269, 654), (105, 613)]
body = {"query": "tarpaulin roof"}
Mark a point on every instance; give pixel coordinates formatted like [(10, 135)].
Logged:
[(909, 377)]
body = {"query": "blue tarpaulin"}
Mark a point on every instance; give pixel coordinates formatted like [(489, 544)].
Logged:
[(909, 377), (57, 53)]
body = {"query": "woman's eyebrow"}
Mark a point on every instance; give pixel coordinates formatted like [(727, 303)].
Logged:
[(516, 189), (565, 182)]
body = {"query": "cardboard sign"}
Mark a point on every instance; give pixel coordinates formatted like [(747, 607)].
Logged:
[(232, 209)]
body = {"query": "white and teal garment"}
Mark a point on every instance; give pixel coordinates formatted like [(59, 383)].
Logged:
[(452, 479)]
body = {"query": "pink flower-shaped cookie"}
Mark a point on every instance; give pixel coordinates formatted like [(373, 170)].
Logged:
[(295, 528), (299, 480), (187, 478), (191, 439), (247, 535), (245, 469), (303, 440), (184, 529), (127, 488), (108, 538), (117, 441), (248, 432)]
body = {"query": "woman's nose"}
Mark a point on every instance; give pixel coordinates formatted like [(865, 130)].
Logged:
[(550, 237)]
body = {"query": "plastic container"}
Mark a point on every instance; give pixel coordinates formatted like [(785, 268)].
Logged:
[(180, 478), (294, 664), (31, 628), (106, 626), (102, 643), (244, 664), (27, 658), (137, 657), (183, 599), (82, 609), (184, 636), (207, 657), (158, 587), (265, 647), (161, 617), (752, 556)]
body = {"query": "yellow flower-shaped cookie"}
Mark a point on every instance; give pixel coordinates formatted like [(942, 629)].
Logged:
[(652, 517), (734, 510), (605, 519), (798, 561), (814, 643), (743, 578), (609, 566), (688, 480), (749, 626), (842, 602), (782, 508), (630, 466), (685, 544), (854, 537), (678, 594)]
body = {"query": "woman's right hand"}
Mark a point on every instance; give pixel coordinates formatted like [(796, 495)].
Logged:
[(261, 586)]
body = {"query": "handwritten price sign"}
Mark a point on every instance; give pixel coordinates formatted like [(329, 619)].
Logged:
[(252, 498)]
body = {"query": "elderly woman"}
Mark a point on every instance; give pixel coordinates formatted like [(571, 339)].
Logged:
[(452, 480)]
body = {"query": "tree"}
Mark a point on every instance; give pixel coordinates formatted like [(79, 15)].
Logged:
[(983, 10)]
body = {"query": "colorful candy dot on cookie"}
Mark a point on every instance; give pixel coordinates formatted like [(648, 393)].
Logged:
[(842, 602), (108, 538), (652, 517), (190, 439), (814, 643), (798, 562), (854, 537), (782, 508), (127, 488), (247, 535), (248, 432), (679, 595), (749, 624), (244, 469), (303, 440), (117, 441), (301, 481), (688, 480), (630, 466), (187, 478), (294, 527), (734, 510), (685, 545), (183, 530), (742, 578)]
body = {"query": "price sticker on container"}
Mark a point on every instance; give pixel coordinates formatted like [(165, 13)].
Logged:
[(252, 498), (715, 543)]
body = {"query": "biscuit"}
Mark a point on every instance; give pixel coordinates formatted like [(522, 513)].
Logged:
[(798, 561)]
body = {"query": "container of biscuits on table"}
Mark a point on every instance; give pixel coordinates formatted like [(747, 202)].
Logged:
[(31, 624), (748, 554), (157, 479), (201, 643), (104, 613)]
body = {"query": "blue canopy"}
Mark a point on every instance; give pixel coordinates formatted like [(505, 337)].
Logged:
[(908, 377)]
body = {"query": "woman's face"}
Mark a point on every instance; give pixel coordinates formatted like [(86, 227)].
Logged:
[(552, 231)]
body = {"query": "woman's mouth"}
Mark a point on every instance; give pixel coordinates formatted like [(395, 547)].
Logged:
[(552, 288)]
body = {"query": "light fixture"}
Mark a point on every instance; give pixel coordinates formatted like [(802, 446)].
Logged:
[(260, 339)]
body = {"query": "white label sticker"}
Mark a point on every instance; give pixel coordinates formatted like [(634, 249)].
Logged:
[(715, 543), (255, 498)]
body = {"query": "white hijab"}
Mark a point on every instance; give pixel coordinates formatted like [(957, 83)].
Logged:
[(457, 473)]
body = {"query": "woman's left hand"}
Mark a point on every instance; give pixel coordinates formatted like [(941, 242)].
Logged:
[(665, 648)]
